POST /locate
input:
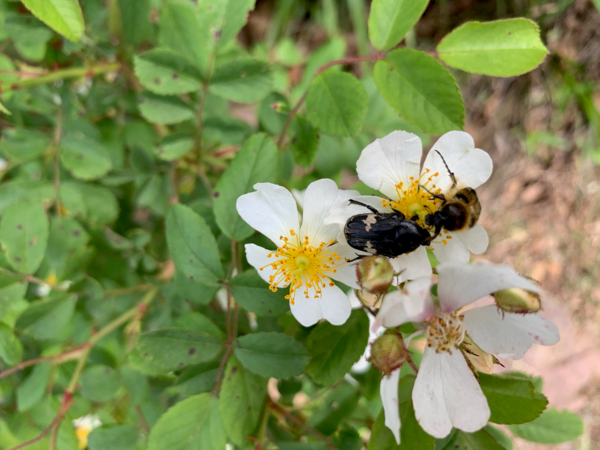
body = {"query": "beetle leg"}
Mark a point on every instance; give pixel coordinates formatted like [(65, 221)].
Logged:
[(356, 259), (369, 207)]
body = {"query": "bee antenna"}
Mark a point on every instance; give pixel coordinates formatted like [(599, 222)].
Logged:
[(440, 197), (452, 177)]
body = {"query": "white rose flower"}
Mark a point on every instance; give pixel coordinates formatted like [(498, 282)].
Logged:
[(84, 426), (306, 258), (392, 166), (446, 394)]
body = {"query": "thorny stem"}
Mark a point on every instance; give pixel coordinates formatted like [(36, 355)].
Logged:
[(412, 364), (280, 409), (67, 401), (68, 355), (337, 62), (55, 143), (73, 72)]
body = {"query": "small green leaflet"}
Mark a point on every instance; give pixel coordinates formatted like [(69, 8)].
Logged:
[(390, 20), (63, 16), (504, 48), (552, 427), (243, 80), (165, 72)]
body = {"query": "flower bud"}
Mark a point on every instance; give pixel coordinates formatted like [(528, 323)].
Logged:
[(368, 299), (478, 360), (375, 274), (388, 352), (517, 300)]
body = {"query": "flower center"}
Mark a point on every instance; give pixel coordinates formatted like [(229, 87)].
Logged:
[(416, 199), (445, 332), (300, 264)]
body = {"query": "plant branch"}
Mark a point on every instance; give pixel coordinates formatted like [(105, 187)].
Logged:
[(224, 360), (67, 355), (55, 143), (337, 62), (73, 72), (280, 409), (31, 279)]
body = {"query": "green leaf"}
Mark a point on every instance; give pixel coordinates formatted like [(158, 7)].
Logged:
[(45, 319), (67, 246), (253, 294), (23, 235), (241, 399), (257, 161), (273, 355), (196, 379), (418, 87), (12, 289), (96, 204), (233, 16), (193, 247), (512, 400), (480, 440), (63, 16), (174, 146), (160, 351), (552, 427), (504, 48), (165, 72), (272, 113), (335, 349), (500, 436), (135, 20), (339, 404), (243, 80), (197, 321), (84, 158), (226, 130), (184, 30), (305, 142), (113, 437), (193, 424), (23, 144), (336, 103), (100, 383), (390, 20), (30, 36), (164, 110), (11, 350), (31, 391)]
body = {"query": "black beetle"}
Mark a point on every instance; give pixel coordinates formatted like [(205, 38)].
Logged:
[(386, 234)]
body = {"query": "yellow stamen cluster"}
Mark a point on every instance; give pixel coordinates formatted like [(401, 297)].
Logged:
[(445, 332), (414, 199), (300, 264)]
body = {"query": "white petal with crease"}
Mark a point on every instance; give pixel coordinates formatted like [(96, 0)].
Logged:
[(271, 210), (319, 198), (471, 166), (411, 304), (342, 210), (346, 271), (257, 258), (335, 305), (446, 394), (307, 311), (475, 239), (462, 284), (412, 265), (388, 389), (390, 160), (508, 334), (454, 250)]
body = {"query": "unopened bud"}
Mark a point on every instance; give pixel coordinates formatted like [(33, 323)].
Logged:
[(478, 360), (388, 352), (369, 299), (517, 300), (375, 274)]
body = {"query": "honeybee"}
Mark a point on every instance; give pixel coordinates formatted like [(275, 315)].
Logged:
[(460, 208)]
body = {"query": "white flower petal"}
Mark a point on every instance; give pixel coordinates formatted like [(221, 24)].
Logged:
[(471, 166), (508, 334), (461, 284), (389, 397), (453, 250), (475, 239), (446, 394), (307, 311), (319, 198), (342, 210), (258, 258), (271, 210), (390, 160), (412, 265), (411, 304), (346, 272), (335, 306)]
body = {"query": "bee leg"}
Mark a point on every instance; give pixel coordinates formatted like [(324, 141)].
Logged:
[(369, 207), (438, 196)]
